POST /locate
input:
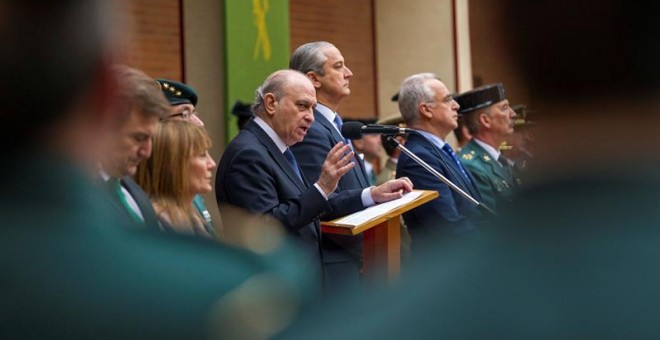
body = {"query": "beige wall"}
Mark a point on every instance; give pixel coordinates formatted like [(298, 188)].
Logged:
[(490, 61), (204, 70), (412, 37)]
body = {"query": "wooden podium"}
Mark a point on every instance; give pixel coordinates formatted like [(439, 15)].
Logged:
[(382, 239)]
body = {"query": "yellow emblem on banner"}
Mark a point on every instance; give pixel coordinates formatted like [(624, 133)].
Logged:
[(259, 9)]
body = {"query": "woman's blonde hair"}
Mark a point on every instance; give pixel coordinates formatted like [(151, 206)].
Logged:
[(165, 176)]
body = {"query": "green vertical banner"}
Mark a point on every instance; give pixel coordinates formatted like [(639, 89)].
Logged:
[(257, 44)]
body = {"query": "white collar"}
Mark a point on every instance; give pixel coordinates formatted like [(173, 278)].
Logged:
[(271, 133), (327, 113), (494, 153)]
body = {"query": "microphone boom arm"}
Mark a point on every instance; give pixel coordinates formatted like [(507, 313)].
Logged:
[(439, 176)]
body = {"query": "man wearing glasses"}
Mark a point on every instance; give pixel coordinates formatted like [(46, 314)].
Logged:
[(428, 107), (183, 99)]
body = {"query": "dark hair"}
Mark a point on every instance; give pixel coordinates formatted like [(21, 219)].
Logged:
[(51, 51), (582, 49)]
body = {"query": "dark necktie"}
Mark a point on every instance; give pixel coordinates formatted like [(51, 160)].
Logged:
[(504, 161), (447, 148), (119, 193), (292, 161), (508, 168), (338, 122)]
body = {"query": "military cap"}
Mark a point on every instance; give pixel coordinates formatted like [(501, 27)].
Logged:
[(242, 110), (480, 97), (394, 119), (177, 93)]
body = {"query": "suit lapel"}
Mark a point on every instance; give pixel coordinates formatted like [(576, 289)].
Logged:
[(496, 168), (281, 161), (452, 167), (359, 170), (276, 155)]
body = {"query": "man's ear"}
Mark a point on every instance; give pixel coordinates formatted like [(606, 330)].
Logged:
[(424, 111), (484, 119), (314, 78), (270, 103)]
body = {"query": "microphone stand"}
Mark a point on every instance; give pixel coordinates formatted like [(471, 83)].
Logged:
[(439, 176)]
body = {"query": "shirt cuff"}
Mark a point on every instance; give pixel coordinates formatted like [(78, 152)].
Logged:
[(318, 187), (367, 200)]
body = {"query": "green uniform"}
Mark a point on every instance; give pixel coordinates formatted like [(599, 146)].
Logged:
[(494, 180), (71, 271)]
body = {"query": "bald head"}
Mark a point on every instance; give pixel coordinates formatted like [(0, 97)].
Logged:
[(285, 101)]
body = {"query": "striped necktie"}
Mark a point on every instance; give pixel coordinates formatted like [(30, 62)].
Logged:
[(447, 148)]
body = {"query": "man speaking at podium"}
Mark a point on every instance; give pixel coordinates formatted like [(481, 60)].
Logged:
[(259, 173)]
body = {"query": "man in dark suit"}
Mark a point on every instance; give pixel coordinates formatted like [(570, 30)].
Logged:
[(259, 173), (576, 257), (70, 269), (324, 65), (428, 107), (490, 120), (132, 142)]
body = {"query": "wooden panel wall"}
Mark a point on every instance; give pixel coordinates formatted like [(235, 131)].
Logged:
[(349, 25)]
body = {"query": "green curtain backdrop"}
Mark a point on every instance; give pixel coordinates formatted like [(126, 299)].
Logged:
[(257, 43)]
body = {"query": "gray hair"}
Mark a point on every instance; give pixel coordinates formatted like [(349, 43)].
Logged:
[(308, 57), (276, 84), (472, 122), (414, 91)]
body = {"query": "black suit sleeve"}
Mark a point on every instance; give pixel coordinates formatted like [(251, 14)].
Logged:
[(251, 182)]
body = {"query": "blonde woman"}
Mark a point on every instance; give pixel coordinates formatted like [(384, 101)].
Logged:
[(180, 168)]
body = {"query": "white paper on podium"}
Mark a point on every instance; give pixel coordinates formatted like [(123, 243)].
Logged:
[(377, 210)]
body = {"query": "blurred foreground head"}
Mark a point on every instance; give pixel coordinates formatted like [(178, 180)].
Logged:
[(51, 68), (591, 68), (591, 50)]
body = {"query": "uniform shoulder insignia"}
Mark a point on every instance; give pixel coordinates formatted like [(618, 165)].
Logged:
[(486, 158), (468, 156)]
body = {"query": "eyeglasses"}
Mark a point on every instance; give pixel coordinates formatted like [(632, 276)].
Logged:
[(186, 114), (446, 99)]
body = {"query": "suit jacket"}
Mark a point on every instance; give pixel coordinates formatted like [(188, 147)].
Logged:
[(253, 174), (140, 197), (494, 180), (75, 272), (142, 200), (310, 154), (449, 214)]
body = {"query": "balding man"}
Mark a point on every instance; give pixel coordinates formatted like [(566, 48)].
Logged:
[(258, 171)]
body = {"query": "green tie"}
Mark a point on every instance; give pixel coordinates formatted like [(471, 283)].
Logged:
[(122, 198)]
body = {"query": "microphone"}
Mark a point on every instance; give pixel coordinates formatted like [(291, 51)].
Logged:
[(355, 130)]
